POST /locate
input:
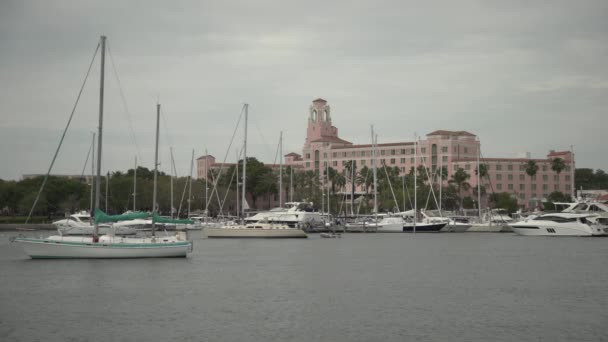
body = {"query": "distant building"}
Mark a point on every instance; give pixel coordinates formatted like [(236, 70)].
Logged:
[(453, 149)]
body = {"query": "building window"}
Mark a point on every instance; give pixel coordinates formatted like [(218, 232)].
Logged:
[(555, 179), (423, 150), (307, 164), (544, 168), (382, 161), (533, 178), (522, 177), (382, 152), (444, 149), (567, 177), (335, 163), (510, 177), (522, 187), (444, 159), (567, 169), (402, 160), (498, 167), (498, 186), (467, 166), (392, 152), (545, 178), (412, 151), (567, 186), (545, 187), (510, 167), (324, 164), (362, 162), (534, 187), (324, 155), (555, 187), (392, 161), (343, 162), (498, 177), (412, 160), (402, 169), (402, 151), (335, 154), (466, 150), (307, 155), (510, 186)]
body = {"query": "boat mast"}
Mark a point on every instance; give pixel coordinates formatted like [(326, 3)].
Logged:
[(135, 185), (415, 181), (155, 170), (171, 178), (374, 171), (243, 197), (281, 169), (99, 136), (237, 183), (441, 182), (291, 184), (107, 187), (207, 184), (190, 185), (478, 182), (92, 176), (327, 184)]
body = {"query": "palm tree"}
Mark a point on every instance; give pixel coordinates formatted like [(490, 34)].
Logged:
[(558, 165), (531, 170), (460, 178)]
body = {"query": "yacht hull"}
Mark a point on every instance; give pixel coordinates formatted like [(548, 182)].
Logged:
[(390, 228), (54, 249), (291, 233), (536, 230), (424, 228)]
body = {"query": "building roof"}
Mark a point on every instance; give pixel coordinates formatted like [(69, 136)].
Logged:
[(203, 157), (293, 154), (378, 145), (332, 140), (558, 153), (320, 100), (451, 133)]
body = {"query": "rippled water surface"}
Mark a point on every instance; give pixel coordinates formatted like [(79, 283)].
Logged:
[(363, 287)]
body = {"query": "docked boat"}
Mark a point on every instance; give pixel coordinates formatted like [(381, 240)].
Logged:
[(560, 224), (426, 224), (494, 221), (79, 224), (389, 224), (293, 214), (256, 230)]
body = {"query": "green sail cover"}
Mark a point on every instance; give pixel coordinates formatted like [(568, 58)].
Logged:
[(101, 217), (158, 219)]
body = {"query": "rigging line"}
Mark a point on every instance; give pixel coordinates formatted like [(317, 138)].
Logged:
[(219, 174), (46, 177), (86, 161), (124, 103)]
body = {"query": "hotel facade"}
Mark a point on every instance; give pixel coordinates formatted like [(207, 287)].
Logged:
[(442, 148)]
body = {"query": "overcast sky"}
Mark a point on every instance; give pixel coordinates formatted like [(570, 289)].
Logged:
[(522, 75)]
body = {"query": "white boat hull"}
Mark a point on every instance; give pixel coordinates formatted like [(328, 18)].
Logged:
[(534, 230), (103, 230), (62, 248), (390, 228), (288, 233)]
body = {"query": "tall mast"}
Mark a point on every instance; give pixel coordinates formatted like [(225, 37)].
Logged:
[(99, 136), (237, 183), (243, 198), (478, 182), (92, 176), (291, 184), (415, 181), (207, 184), (375, 175), (572, 189), (171, 178), (135, 186), (441, 181), (107, 188), (327, 184), (190, 185), (281, 169), (155, 169)]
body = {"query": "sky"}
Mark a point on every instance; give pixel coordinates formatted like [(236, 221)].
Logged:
[(525, 76)]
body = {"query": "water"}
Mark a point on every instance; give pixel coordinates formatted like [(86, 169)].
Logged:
[(363, 287)]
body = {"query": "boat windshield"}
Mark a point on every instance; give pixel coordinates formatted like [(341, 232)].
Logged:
[(558, 219)]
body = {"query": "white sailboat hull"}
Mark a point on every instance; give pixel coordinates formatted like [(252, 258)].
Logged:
[(289, 233), (56, 248), (88, 230), (390, 228)]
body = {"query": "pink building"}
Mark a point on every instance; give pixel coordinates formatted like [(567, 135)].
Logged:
[(452, 149)]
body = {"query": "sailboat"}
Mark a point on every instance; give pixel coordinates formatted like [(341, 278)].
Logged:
[(261, 229), (109, 245)]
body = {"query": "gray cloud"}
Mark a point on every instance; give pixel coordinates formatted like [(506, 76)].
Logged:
[(523, 76)]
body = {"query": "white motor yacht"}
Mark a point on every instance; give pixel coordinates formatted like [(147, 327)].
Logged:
[(560, 224), (255, 230), (293, 214), (79, 224), (389, 224)]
